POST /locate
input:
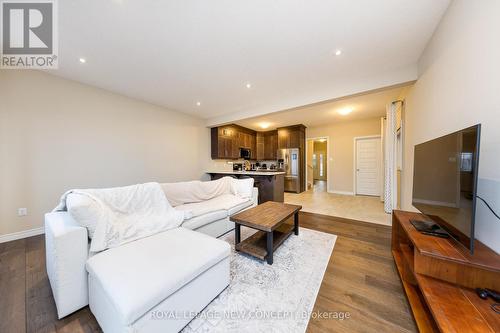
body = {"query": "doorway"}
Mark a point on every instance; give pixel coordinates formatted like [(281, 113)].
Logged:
[(317, 164), (367, 165)]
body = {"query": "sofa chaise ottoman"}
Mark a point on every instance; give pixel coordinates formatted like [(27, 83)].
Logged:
[(136, 286), (179, 272)]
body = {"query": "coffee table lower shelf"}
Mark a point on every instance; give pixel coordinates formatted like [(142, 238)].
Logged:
[(255, 245)]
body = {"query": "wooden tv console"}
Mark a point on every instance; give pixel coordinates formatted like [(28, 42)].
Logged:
[(439, 277)]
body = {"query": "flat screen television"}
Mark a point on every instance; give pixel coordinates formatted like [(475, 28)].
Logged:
[(444, 185)]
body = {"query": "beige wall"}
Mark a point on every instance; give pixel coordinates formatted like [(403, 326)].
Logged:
[(341, 149), (57, 134), (458, 86)]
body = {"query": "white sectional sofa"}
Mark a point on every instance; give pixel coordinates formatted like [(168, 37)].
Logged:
[(212, 216), (140, 285)]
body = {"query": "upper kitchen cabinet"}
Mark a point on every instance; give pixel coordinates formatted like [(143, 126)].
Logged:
[(267, 145), (270, 145), (226, 141), (260, 145), (247, 139), (291, 137)]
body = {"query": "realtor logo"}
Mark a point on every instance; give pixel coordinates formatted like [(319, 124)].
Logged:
[(29, 34)]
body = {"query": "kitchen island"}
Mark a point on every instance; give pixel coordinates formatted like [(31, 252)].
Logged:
[(270, 183)]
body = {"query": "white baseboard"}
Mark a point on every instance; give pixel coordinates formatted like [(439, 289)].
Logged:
[(341, 192), (21, 234)]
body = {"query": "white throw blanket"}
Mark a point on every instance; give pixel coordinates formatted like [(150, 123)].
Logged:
[(128, 213), (197, 191)]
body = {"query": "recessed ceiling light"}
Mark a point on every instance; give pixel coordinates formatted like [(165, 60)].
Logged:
[(82, 60), (249, 85), (338, 52), (198, 103), (344, 111), (264, 125)]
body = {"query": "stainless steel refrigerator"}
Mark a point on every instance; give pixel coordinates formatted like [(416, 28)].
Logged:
[(291, 165)]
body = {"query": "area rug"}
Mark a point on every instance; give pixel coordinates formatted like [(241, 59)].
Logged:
[(270, 298)]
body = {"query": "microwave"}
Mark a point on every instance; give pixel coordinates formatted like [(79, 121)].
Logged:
[(245, 153)]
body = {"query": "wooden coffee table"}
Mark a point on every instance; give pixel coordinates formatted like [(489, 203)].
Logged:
[(269, 218)]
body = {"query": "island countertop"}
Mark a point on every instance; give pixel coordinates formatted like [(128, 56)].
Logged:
[(250, 173)]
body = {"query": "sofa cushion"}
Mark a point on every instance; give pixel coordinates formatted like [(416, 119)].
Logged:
[(196, 191), (237, 208), (222, 202), (200, 221), (85, 211), (139, 275), (242, 187)]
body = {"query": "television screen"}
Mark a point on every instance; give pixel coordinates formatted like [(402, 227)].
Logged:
[(444, 182)]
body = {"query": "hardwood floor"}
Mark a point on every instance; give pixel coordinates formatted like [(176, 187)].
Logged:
[(361, 279), (26, 303)]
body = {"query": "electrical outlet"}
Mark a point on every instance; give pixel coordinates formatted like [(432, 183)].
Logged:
[(22, 211)]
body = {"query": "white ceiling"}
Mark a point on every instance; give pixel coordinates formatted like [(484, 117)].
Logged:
[(363, 106), (175, 53)]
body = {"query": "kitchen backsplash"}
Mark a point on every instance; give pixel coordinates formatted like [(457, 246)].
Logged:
[(269, 163), (227, 165), (221, 165)]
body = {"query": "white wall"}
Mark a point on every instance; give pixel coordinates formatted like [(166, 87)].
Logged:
[(458, 86), (341, 149), (57, 134)]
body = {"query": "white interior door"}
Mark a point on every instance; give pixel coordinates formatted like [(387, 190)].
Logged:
[(368, 165)]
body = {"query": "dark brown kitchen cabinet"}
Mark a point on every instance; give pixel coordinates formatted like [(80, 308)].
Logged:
[(241, 140), (267, 145), (294, 137), (226, 141), (246, 140), (260, 146), (283, 138), (253, 145), (271, 145), (291, 137), (225, 147)]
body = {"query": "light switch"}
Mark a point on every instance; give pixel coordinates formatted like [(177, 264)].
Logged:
[(22, 212)]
